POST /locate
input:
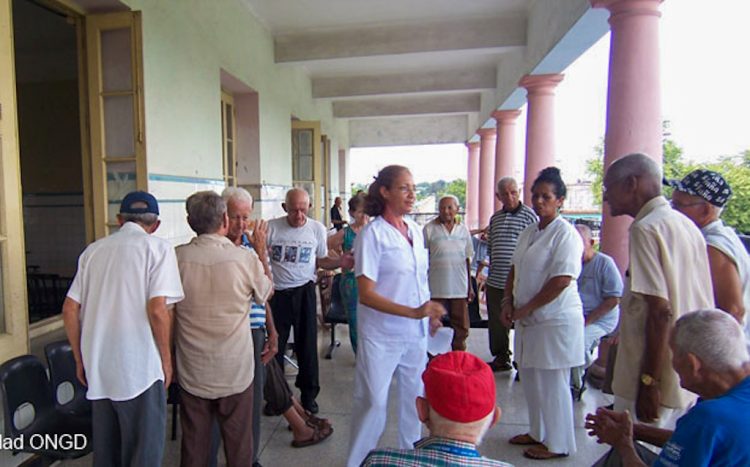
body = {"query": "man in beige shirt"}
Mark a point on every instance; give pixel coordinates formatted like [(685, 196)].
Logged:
[(668, 276), (214, 349)]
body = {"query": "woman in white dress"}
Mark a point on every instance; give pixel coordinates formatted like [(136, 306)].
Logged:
[(393, 314), (541, 298)]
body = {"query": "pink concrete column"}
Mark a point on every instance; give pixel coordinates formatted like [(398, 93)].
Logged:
[(540, 127), (486, 174), (506, 144), (633, 100), (472, 187)]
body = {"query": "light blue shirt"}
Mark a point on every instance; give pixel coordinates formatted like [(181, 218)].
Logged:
[(600, 279)]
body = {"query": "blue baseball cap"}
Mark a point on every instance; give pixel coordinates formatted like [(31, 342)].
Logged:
[(133, 203)]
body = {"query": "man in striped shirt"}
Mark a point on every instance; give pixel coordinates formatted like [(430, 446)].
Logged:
[(505, 226)]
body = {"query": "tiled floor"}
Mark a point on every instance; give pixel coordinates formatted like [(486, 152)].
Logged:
[(335, 400)]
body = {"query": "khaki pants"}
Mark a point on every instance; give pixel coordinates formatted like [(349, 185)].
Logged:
[(458, 312)]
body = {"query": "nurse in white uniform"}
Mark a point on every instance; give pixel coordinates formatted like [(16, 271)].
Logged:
[(541, 297), (394, 313)]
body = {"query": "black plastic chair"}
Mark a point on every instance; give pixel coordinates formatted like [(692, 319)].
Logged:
[(62, 372), (24, 385), (335, 314)]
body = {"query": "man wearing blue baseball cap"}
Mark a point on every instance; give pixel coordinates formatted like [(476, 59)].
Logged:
[(118, 325), (701, 196)]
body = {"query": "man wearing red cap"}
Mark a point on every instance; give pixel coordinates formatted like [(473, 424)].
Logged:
[(458, 409)]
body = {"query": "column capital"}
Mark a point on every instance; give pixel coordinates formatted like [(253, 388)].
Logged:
[(472, 145), (541, 84), (485, 133), (629, 7), (506, 116)]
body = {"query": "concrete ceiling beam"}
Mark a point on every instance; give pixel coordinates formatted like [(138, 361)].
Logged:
[(404, 131), (435, 81), (395, 39), (444, 104)]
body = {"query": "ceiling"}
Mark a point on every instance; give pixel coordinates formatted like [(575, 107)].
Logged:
[(389, 60)]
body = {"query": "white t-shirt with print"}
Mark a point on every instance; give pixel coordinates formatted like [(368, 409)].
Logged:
[(293, 251)]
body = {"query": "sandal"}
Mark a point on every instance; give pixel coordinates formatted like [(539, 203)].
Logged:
[(523, 440), (319, 435), (314, 421), (541, 453)]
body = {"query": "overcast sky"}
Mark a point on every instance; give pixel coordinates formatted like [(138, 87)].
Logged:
[(705, 96)]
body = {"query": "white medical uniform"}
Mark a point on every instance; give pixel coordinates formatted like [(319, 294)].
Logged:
[(389, 344), (549, 341)]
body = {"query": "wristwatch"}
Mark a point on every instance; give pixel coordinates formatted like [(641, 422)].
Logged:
[(648, 380)]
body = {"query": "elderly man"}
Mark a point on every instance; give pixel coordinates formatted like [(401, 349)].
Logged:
[(600, 288), (213, 346), (668, 276), (458, 409), (298, 247), (117, 322), (239, 207), (337, 214), (711, 359), (505, 226), (701, 196), (450, 248)]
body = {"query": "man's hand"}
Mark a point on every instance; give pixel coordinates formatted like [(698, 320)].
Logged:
[(610, 427), (647, 403), (259, 236), (472, 295), (81, 373), (347, 261), (270, 348), (166, 367)]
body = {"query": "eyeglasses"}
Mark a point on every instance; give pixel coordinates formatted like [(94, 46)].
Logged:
[(405, 189), (239, 218)]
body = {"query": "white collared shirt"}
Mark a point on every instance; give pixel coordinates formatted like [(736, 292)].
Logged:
[(116, 278), (399, 270), (448, 254)]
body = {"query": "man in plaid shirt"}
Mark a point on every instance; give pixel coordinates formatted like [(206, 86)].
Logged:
[(458, 409)]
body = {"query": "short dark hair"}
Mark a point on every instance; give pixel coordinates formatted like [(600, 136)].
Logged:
[(206, 211), (356, 201), (552, 176), (374, 201)]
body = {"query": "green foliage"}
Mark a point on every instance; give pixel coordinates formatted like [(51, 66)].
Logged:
[(735, 169), (438, 189)]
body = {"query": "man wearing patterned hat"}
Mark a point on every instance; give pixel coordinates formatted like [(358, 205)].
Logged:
[(701, 196), (458, 409)]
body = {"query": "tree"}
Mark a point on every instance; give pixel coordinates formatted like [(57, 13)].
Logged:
[(734, 169), (457, 188)]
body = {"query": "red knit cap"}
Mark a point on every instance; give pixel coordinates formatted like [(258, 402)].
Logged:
[(460, 387)]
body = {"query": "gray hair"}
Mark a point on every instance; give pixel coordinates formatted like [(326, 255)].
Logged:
[(505, 181), (238, 194), (293, 191), (452, 197), (444, 427), (713, 336), (637, 165), (585, 231), (146, 218), (206, 210)]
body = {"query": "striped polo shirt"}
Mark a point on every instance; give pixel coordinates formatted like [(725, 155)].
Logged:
[(505, 226), (257, 314)]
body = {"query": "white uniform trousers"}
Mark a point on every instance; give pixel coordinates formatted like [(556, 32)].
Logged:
[(377, 363), (550, 408)]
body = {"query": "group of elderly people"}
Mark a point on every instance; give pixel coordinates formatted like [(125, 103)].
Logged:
[(210, 284)]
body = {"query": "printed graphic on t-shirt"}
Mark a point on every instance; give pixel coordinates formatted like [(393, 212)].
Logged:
[(290, 254), (305, 254), (276, 252)]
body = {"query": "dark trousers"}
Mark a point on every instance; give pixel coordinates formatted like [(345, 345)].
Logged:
[(499, 334), (130, 432), (233, 413), (458, 313), (296, 308), (259, 340)]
